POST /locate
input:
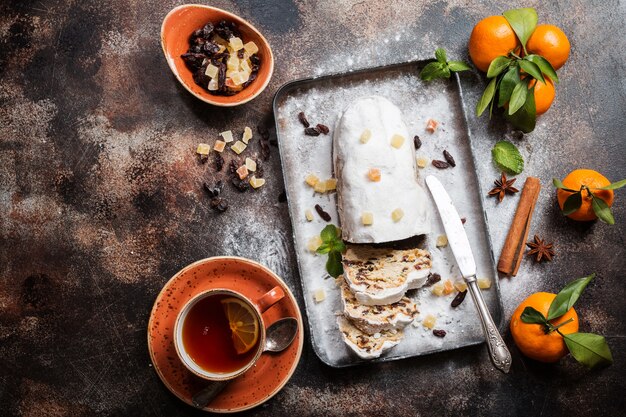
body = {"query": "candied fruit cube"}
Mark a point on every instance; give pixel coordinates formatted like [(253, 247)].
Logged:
[(397, 141), (331, 184), (309, 215), (484, 283), (219, 146), (251, 48), (211, 71), (247, 135), (367, 218), (213, 84), (431, 125), (373, 174), (448, 287), (242, 171), (460, 286), (203, 149), (429, 321), (245, 67), (314, 243), (311, 180), (250, 164), (320, 187), (366, 136), (397, 215), (240, 78), (319, 295), (235, 43), (422, 162), (256, 182), (238, 147), (232, 63), (437, 289), (442, 241), (227, 135)]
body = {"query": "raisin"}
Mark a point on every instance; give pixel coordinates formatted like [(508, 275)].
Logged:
[(322, 128), (322, 213), (210, 48), (195, 34), (439, 332), (221, 77), (207, 30), (432, 279), (449, 158), (200, 77), (440, 164), (233, 166), (193, 60), (219, 204), (311, 131), (214, 190), (417, 141), (219, 162), (282, 197), (303, 119), (459, 298), (463, 220), (240, 185)]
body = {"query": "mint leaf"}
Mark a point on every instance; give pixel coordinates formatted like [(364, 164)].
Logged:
[(486, 98), (507, 157), (507, 84), (458, 66), (333, 264), (440, 55), (433, 70), (518, 97), (532, 316), (589, 349), (442, 68), (572, 203), (498, 65), (558, 184), (614, 186), (323, 249), (532, 69), (602, 210), (329, 233), (544, 65), (567, 297), (523, 22), (525, 118)]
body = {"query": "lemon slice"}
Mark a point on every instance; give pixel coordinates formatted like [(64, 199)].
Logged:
[(243, 324)]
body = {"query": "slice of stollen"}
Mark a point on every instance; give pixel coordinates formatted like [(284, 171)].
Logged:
[(364, 345), (379, 276), (376, 319)]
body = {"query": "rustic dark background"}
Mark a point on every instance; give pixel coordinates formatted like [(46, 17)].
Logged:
[(101, 202)]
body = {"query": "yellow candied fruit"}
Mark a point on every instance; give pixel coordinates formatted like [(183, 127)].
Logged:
[(373, 174), (429, 321), (251, 48), (397, 215), (314, 243), (397, 141), (238, 147), (203, 149), (319, 295), (250, 164), (256, 182), (366, 136), (213, 84), (331, 184), (309, 215), (219, 146), (484, 283), (235, 43), (242, 171), (448, 287), (367, 218), (311, 180), (442, 241), (437, 289), (320, 187), (247, 135), (232, 63), (240, 78), (460, 286), (227, 135), (422, 162), (211, 71), (431, 125)]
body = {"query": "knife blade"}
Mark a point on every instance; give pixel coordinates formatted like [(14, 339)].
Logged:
[(462, 251)]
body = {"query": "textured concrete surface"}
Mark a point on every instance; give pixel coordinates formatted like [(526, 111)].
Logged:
[(101, 202)]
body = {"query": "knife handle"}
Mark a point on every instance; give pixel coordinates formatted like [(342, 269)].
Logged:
[(500, 355)]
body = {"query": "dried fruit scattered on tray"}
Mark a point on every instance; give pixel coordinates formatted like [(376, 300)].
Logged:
[(449, 158), (303, 119), (458, 299), (220, 61), (503, 187), (311, 131), (439, 332), (541, 249), (417, 141), (440, 164), (322, 128), (432, 279), (324, 215)]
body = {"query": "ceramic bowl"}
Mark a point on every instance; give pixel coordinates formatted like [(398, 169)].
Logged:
[(179, 24)]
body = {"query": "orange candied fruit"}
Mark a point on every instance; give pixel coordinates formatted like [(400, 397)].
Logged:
[(374, 174), (431, 125)]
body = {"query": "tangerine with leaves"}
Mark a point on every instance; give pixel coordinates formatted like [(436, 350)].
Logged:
[(491, 37), (544, 95), (585, 183), (532, 339), (551, 43)]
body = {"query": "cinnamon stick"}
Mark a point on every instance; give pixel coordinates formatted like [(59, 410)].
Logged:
[(513, 249)]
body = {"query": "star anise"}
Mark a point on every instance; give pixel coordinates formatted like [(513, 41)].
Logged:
[(540, 249), (503, 186)]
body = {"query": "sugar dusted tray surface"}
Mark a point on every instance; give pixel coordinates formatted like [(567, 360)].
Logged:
[(322, 100)]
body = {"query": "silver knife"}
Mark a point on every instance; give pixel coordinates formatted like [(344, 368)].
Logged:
[(458, 242)]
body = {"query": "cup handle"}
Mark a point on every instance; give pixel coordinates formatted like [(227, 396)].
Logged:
[(270, 298)]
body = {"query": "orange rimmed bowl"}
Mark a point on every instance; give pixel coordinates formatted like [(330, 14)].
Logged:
[(179, 24)]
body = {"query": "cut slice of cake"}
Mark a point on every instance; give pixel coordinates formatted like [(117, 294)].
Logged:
[(375, 319), (381, 276), (368, 346)]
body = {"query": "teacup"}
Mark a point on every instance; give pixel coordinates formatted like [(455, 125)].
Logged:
[(203, 339)]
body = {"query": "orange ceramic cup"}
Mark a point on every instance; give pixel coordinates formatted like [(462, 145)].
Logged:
[(175, 31), (258, 306)]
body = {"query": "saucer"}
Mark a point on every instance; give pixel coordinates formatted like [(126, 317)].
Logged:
[(272, 370)]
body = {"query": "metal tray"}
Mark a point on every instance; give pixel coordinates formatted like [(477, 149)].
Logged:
[(322, 100)]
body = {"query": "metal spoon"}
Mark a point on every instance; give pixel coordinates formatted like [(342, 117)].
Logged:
[(278, 337)]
